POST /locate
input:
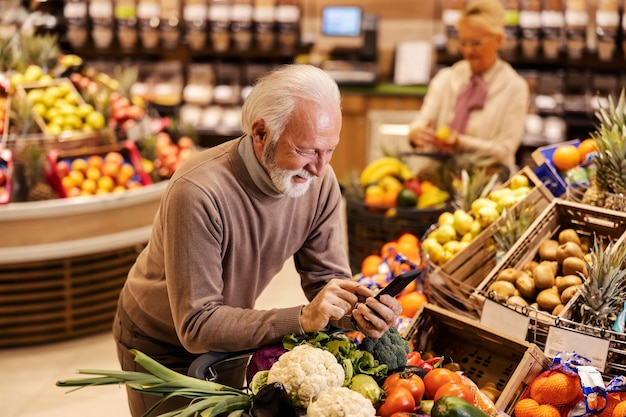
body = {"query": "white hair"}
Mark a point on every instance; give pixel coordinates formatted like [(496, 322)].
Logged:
[(276, 94)]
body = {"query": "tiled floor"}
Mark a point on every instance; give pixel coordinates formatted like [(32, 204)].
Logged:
[(28, 375)]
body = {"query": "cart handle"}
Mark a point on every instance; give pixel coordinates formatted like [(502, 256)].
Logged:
[(202, 366)]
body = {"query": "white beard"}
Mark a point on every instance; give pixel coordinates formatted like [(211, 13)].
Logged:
[(283, 178)]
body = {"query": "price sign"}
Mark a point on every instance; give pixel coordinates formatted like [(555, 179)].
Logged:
[(565, 340), (505, 319)]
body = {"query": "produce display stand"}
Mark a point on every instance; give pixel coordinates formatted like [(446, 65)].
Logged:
[(64, 261), (484, 354), (588, 221), (452, 284)]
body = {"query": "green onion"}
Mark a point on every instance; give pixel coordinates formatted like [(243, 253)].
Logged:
[(208, 399)]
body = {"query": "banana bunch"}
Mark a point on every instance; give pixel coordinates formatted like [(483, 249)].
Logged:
[(382, 167)]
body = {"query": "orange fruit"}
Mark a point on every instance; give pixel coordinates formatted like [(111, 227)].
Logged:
[(389, 250), (390, 198), (586, 147), (526, 407), (556, 389), (409, 250), (409, 238), (612, 401), (370, 265), (566, 157), (411, 303), (620, 410), (547, 410)]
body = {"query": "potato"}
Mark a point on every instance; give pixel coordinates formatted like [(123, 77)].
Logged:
[(502, 288), (525, 284), (569, 235), (566, 281), (547, 250), (516, 301), (566, 250), (557, 310), (508, 274), (529, 266), (543, 274), (548, 299), (573, 265), (568, 293)]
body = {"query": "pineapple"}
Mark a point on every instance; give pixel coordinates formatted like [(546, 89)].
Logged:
[(603, 294), (472, 186), (34, 170), (513, 227), (41, 50), (610, 161)]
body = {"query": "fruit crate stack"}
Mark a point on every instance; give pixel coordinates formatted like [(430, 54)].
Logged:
[(590, 224), (451, 284), (484, 354)]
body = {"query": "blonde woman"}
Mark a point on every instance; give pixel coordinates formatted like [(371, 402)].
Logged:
[(477, 107)]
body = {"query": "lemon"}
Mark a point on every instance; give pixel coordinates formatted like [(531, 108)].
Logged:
[(443, 133)]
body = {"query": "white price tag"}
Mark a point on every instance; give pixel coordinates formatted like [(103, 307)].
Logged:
[(565, 340), (505, 319)]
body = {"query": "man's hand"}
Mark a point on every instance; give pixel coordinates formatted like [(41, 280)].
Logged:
[(334, 301), (375, 317)]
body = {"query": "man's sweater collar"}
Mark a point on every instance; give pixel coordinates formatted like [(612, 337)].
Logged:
[(258, 175)]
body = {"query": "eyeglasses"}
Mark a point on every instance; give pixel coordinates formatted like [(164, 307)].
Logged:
[(474, 43)]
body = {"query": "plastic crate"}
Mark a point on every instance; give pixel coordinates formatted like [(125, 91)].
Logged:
[(452, 284), (484, 354)]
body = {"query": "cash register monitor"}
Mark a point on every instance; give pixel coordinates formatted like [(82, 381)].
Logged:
[(343, 21)]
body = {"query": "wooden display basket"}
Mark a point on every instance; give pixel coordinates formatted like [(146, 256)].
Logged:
[(66, 140), (484, 354), (588, 221), (455, 281)]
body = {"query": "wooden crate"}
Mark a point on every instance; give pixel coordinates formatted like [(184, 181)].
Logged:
[(484, 354), (468, 268), (589, 221)]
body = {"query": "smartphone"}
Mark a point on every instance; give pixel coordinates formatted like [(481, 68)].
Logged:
[(399, 283)]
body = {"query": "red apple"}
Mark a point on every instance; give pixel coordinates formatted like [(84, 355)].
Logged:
[(3, 177), (63, 168)]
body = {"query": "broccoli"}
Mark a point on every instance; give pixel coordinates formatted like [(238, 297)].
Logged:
[(391, 349)]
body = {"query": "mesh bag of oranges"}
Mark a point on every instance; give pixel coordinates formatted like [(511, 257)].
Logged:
[(572, 388)]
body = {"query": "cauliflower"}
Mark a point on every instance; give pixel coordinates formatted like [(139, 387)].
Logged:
[(306, 372), (341, 402)]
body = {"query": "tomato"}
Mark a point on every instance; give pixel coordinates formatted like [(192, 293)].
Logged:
[(403, 414), (408, 380), (398, 399), (456, 390), (436, 378)]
